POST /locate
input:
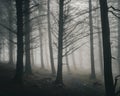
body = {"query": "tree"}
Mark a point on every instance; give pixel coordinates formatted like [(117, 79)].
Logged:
[(73, 59), (50, 40), (99, 40), (119, 39), (10, 18), (41, 43), (28, 69), (19, 65), (59, 79), (108, 78), (67, 61), (93, 76)]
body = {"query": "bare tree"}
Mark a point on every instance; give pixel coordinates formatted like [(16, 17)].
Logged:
[(11, 45), (27, 27), (93, 76), (59, 79), (19, 65), (108, 78), (119, 39)]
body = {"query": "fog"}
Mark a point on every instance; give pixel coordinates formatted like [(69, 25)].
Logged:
[(38, 35), (81, 54)]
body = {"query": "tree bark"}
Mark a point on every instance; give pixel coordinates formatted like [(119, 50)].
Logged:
[(59, 78), (19, 65), (28, 69), (108, 78), (118, 40)]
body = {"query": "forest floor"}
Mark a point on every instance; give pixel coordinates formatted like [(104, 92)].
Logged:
[(40, 83)]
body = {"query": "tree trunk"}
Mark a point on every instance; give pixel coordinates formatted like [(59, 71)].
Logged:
[(99, 41), (108, 78), (59, 79), (19, 65), (10, 14), (119, 39), (41, 47), (81, 58), (93, 76), (28, 69), (73, 59), (32, 57), (100, 51), (46, 52), (50, 40), (41, 40), (67, 62)]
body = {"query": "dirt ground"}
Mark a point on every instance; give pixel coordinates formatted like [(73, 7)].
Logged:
[(41, 83)]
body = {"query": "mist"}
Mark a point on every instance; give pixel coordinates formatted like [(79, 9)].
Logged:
[(59, 47)]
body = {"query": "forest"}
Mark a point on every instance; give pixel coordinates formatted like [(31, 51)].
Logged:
[(59, 47)]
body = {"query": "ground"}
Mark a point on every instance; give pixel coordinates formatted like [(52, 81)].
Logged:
[(41, 83)]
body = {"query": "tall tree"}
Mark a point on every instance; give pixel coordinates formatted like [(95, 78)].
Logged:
[(93, 76), (59, 79), (19, 65), (27, 36), (50, 39), (108, 78), (41, 45), (10, 18), (119, 39), (99, 40)]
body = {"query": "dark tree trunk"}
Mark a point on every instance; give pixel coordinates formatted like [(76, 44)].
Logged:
[(50, 40), (108, 78), (28, 69), (59, 79), (19, 65), (93, 76)]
